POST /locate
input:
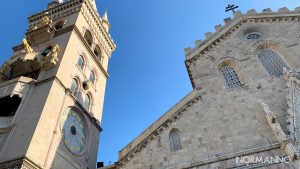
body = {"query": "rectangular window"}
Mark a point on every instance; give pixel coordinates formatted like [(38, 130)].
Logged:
[(9, 106)]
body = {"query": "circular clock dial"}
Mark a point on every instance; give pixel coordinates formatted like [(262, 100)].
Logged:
[(74, 131)]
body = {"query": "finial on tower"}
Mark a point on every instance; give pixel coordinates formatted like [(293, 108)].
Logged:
[(54, 3), (59, 1), (105, 21)]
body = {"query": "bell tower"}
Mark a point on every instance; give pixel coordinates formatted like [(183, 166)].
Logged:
[(52, 89)]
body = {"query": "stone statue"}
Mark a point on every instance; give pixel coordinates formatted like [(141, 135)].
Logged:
[(51, 58), (27, 46), (44, 22), (54, 52)]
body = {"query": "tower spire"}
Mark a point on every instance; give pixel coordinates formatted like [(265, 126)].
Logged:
[(104, 16)]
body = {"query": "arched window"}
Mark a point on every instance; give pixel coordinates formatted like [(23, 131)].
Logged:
[(86, 102), (272, 62), (74, 86), (97, 52), (80, 62), (88, 37), (59, 25), (230, 77), (92, 77), (175, 142)]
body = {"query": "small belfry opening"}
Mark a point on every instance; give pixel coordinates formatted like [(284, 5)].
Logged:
[(88, 37), (9, 105), (97, 52), (59, 25)]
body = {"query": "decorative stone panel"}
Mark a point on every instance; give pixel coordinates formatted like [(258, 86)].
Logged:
[(19, 86)]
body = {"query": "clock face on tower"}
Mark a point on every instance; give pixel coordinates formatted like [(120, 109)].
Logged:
[(74, 131)]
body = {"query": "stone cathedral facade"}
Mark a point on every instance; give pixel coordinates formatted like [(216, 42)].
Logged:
[(245, 102), (52, 89)]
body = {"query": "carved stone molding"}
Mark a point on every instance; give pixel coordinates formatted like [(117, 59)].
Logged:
[(272, 120), (286, 143), (293, 101), (22, 163)]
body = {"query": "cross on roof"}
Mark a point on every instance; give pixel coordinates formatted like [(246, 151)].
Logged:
[(231, 7)]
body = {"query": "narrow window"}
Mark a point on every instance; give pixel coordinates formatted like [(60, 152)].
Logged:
[(9, 106), (80, 62), (97, 52), (272, 62), (92, 77), (86, 102), (88, 37), (230, 77), (175, 142), (74, 86)]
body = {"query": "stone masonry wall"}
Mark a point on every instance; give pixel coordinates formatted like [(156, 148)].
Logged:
[(226, 120)]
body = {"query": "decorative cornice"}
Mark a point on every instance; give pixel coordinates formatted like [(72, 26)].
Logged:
[(21, 163), (170, 117), (232, 25), (54, 10)]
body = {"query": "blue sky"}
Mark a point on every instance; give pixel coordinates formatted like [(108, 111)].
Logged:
[(147, 70)]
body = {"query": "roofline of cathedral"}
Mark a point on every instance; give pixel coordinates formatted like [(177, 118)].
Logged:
[(163, 123), (231, 25)]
